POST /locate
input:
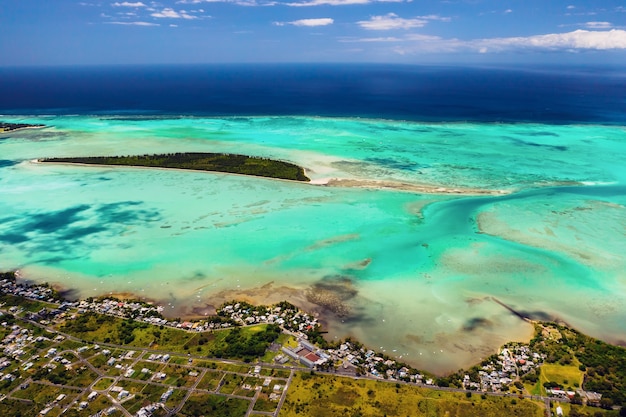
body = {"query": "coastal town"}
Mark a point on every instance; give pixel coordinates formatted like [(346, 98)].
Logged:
[(114, 372)]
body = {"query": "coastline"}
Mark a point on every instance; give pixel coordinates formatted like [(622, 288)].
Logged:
[(328, 309), (23, 128), (320, 182)]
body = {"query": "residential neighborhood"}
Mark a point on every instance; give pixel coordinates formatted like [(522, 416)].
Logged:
[(105, 378)]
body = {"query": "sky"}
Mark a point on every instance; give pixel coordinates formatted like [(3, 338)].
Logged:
[(95, 32)]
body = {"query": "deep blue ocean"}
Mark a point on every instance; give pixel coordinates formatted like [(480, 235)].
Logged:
[(417, 93)]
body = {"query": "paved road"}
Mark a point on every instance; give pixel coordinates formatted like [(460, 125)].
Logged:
[(284, 394)]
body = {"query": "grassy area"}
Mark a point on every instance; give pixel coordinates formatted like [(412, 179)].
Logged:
[(564, 375), (263, 403), (103, 383), (214, 405), (571, 410), (25, 304), (240, 343), (210, 380), (231, 163), (41, 394), (13, 407), (328, 396)]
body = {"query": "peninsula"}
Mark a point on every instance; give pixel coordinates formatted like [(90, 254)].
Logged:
[(11, 127), (217, 162)]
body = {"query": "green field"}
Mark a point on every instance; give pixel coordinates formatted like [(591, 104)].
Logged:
[(214, 405), (241, 343), (328, 396), (564, 375)]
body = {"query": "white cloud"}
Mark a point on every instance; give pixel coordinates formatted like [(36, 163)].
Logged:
[(173, 14), (391, 21), (133, 23), (571, 7), (310, 3), (435, 17), (128, 4), (237, 2), (598, 25), (579, 40), (507, 11), (308, 22), (379, 39)]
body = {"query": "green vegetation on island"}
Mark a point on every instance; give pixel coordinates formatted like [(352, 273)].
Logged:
[(217, 162), (574, 366), (10, 127)]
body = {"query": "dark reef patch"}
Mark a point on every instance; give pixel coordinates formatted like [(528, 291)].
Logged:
[(60, 232), (53, 221), (4, 163), (333, 293), (395, 164), (476, 323), (520, 142)]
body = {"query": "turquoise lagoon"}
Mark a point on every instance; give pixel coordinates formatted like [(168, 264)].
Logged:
[(413, 274)]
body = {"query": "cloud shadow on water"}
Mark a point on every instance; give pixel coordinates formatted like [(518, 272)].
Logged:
[(62, 235)]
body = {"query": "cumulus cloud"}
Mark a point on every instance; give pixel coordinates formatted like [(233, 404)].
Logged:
[(308, 22), (391, 21), (579, 40), (173, 14), (133, 23), (128, 4)]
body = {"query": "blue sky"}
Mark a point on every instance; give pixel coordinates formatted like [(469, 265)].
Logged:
[(70, 32)]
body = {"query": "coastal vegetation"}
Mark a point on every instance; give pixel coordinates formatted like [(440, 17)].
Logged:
[(602, 365), (236, 343), (573, 361), (217, 162), (10, 127)]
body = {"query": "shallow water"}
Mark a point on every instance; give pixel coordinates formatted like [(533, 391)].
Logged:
[(413, 274)]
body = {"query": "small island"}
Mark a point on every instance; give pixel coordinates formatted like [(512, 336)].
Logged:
[(217, 162), (12, 127)]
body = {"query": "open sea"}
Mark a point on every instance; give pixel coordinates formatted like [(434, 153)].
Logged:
[(438, 193)]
